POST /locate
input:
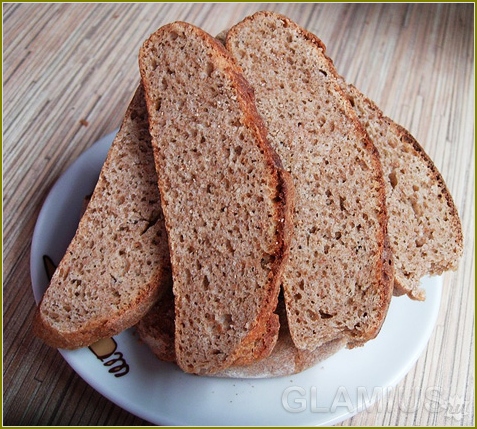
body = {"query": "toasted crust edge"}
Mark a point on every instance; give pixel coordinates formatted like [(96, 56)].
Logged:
[(107, 325), (262, 336), (384, 277)]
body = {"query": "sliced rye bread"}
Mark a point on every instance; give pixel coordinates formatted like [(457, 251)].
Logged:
[(338, 280), (157, 327), (117, 265), (424, 227), (156, 330), (225, 197)]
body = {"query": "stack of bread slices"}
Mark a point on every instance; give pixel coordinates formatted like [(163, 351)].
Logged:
[(255, 213)]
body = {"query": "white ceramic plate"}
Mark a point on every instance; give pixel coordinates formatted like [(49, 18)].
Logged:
[(129, 375)]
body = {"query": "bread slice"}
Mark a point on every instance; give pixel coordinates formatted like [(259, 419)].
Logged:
[(156, 330), (224, 195), (424, 227), (157, 327), (338, 280), (117, 264)]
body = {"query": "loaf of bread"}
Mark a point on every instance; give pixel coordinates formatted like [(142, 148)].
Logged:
[(117, 264), (156, 330), (338, 280), (225, 197), (424, 227)]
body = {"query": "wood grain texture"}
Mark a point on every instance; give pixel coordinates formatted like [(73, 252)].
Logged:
[(69, 71)]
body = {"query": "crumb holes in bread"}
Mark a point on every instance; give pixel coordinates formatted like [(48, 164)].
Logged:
[(393, 178), (209, 69), (420, 241), (312, 315), (342, 203), (225, 320), (267, 260), (229, 246), (416, 207)]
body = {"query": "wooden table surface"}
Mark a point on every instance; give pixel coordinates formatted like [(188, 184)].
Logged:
[(69, 71)]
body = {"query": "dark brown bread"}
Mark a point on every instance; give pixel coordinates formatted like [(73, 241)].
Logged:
[(225, 199), (117, 264), (156, 330), (424, 227), (338, 280)]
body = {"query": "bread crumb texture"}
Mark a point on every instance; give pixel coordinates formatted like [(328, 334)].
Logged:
[(118, 261), (424, 227), (220, 195), (333, 282)]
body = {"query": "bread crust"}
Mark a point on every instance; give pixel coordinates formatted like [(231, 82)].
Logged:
[(384, 275), (81, 275), (381, 280), (156, 330), (262, 331), (391, 140)]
